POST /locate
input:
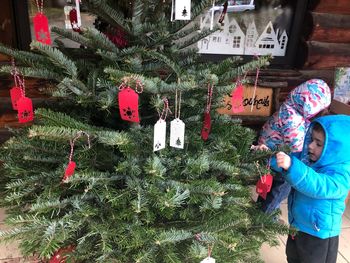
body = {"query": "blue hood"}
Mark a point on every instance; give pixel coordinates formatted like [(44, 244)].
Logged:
[(336, 148)]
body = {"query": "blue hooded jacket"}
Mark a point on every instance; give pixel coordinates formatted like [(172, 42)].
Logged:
[(316, 203)]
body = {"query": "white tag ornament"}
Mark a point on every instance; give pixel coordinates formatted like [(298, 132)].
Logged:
[(208, 260), (159, 135), (182, 9), (177, 133)]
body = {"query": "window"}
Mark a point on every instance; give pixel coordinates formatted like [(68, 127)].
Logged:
[(256, 28), (58, 14), (236, 42), (247, 26)]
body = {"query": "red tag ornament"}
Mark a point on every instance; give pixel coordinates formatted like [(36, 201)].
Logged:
[(71, 164), (25, 110), (237, 98), (206, 126), (263, 186), (73, 17), (69, 170), (129, 105), (207, 118), (60, 255), (16, 93), (41, 29), (128, 100)]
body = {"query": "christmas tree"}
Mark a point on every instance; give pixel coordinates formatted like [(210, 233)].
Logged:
[(89, 183)]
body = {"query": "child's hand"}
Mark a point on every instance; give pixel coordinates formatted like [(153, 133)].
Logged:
[(260, 147), (283, 160)]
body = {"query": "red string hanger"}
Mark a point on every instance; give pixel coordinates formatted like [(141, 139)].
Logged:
[(224, 11), (128, 100), (70, 169), (41, 24), (20, 102), (163, 115), (18, 90), (209, 259), (207, 118), (255, 86)]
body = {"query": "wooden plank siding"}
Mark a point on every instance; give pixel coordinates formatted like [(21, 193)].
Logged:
[(329, 42), (324, 44), (333, 7), (331, 28)]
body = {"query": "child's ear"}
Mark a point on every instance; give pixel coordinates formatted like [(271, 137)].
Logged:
[(323, 112)]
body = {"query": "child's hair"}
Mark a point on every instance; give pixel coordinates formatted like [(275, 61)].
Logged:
[(317, 127)]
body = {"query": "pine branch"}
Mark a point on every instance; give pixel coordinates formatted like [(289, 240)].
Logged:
[(27, 58), (41, 73), (112, 16), (58, 119), (99, 40), (74, 36), (136, 19), (57, 58)]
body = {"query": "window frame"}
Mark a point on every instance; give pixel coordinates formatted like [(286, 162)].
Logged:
[(23, 39), (289, 60)]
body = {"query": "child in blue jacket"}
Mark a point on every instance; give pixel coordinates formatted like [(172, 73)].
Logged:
[(288, 126), (320, 180)]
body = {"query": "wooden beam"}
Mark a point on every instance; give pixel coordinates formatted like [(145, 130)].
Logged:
[(333, 6), (338, 107), (296, 77), (335, 35), (320, 48), (35, 88), (9, 119), (327, 61), (325, 74), (328, 20), (5, 134)]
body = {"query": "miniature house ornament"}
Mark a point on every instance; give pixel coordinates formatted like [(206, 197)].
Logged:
[(231, 40), (181, 10)]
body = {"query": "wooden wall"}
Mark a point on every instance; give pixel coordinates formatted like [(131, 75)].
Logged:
[(324, 45)]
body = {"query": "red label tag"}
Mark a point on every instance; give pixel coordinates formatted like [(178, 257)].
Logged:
[(41, 29), (60, 255), (263, 186), (206, 126), (69, 170), (73, 17), (128, 101), (16, 94), (237, 99), (25, 110)]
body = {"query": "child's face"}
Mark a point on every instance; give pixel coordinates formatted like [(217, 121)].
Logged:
[(316, 146)]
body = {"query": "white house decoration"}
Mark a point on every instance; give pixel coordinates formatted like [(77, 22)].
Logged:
[(231, 40), (251, 38)]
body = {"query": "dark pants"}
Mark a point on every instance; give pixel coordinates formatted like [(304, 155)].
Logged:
[(279, 191), (304, 248)]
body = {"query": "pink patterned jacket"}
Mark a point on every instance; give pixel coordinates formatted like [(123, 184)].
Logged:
[(289, 124)]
